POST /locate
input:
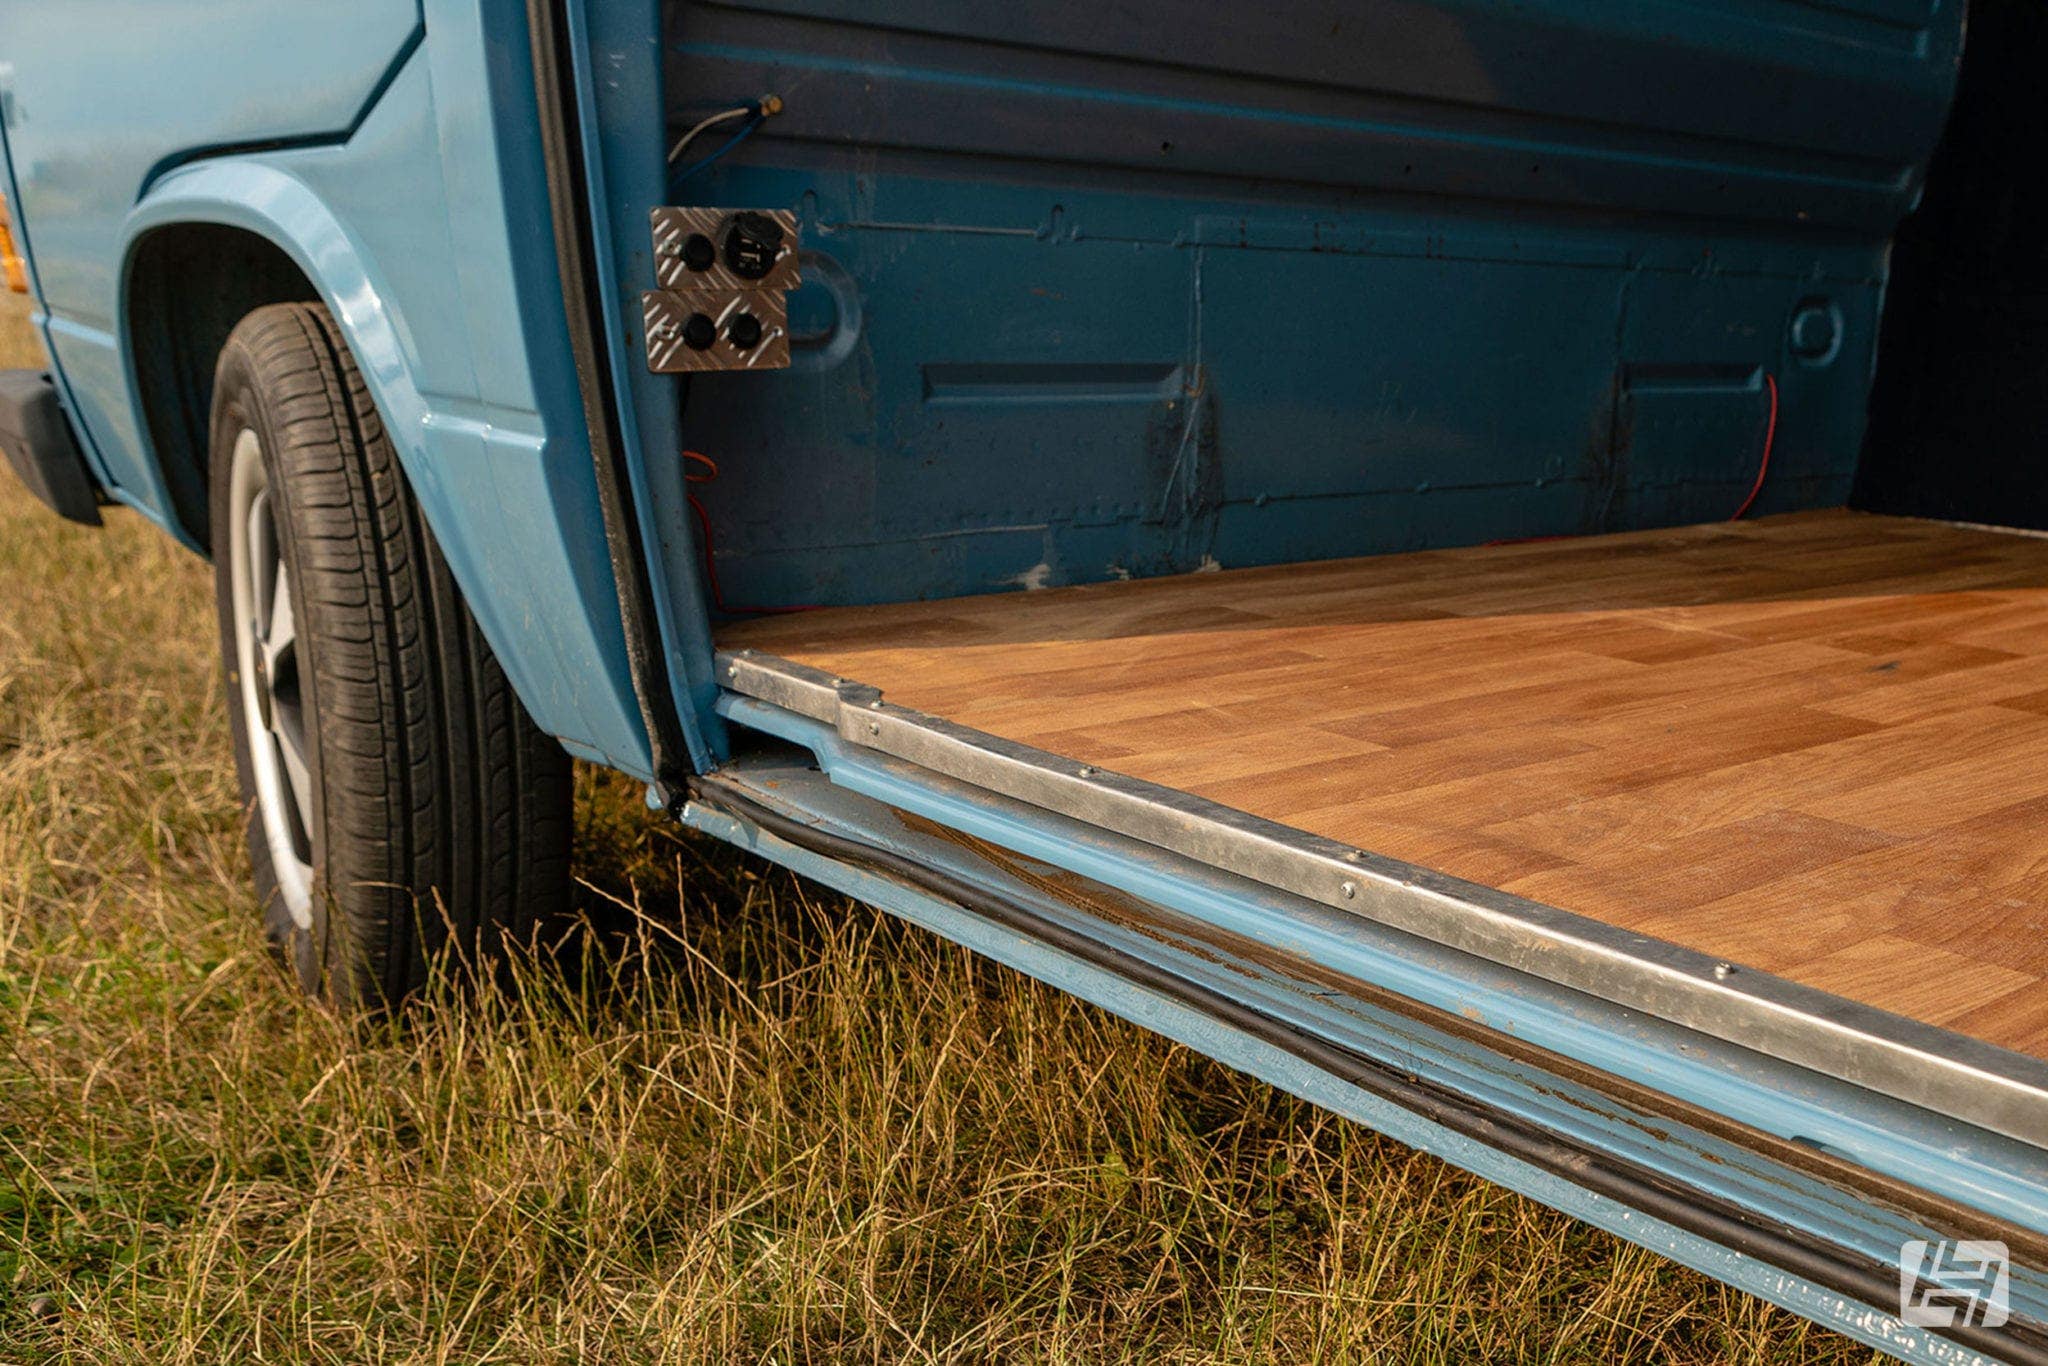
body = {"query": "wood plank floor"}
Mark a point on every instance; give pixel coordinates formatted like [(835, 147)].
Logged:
[(1815, 744)]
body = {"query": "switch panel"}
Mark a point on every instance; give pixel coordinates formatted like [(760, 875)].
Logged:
[(698, 248), (725, 277), (690, 330)]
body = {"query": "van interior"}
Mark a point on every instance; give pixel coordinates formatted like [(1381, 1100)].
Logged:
[(1604, 459)]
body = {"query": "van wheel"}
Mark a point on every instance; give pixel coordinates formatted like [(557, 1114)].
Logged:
[(403, 808)]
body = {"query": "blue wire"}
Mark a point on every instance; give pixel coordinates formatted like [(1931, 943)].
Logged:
[(747, 125)]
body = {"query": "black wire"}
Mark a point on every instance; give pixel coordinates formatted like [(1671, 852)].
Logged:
[(747, 126)]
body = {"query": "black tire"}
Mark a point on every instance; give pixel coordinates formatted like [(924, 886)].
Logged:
[(431, 819)]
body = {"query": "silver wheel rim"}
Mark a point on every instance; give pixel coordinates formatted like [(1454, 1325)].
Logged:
[(267, 663)]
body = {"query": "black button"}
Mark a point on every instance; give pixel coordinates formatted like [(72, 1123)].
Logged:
[(698, 253), (699, 331), (752, 243), (743, 331)]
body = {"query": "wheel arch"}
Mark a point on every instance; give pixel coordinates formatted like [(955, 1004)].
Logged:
[(208, 246), (259, 234), (188, 285)]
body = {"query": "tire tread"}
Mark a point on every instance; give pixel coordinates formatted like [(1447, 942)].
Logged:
[(446, 811)]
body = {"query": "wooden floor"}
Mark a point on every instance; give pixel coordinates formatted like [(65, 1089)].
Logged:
[(1814, 744)]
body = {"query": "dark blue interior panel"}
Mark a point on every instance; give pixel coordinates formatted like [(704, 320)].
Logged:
[(1134, 288)]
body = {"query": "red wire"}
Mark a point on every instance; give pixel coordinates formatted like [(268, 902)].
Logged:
[(1770, 435), (710, 554), (1763, 467)]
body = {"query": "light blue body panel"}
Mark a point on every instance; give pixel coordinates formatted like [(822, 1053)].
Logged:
[(1980, 1170), (420, 218), (88, 138)]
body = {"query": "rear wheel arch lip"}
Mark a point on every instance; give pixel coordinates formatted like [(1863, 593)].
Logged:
[(274, 206), (284, 212)]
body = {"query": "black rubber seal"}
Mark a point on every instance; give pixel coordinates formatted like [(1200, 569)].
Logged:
[(1702, 1213), (554, 85)]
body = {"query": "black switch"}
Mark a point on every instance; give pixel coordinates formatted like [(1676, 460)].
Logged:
[(699, 331), (752, 242), (744, 331), (698, 253)]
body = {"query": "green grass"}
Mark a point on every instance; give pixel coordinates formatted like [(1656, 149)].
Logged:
[(757, 1123)]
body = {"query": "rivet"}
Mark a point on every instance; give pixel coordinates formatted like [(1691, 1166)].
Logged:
[(1085, 771), (1354, 856), (1350, 890), (1724, 970), (874, 727)]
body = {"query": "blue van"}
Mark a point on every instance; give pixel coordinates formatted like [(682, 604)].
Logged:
[(1477, 559)]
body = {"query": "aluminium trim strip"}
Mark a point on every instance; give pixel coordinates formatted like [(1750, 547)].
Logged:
[(1203, 976), (1959, 1077)]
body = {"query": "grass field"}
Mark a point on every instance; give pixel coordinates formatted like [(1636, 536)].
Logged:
[(758, 1123)]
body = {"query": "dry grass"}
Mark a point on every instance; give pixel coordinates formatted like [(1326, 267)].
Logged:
[(19, 345), (760, 1124)]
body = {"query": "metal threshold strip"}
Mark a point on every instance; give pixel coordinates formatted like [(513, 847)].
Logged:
[(1788, 1221), (1950, 1074)]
